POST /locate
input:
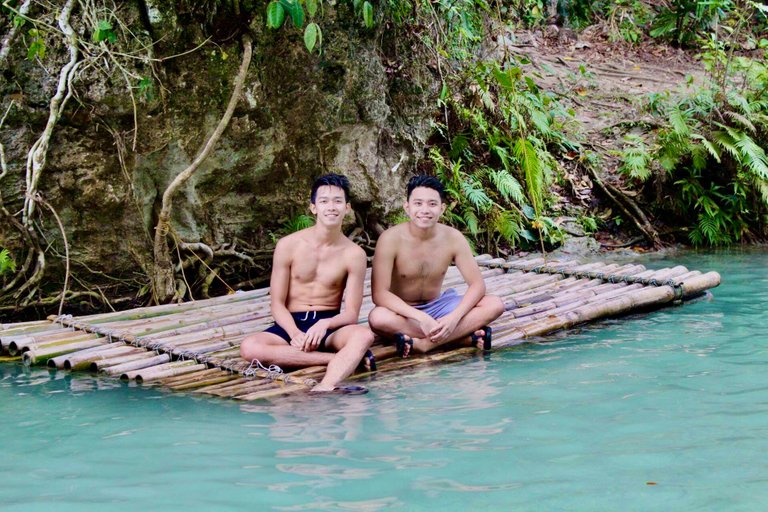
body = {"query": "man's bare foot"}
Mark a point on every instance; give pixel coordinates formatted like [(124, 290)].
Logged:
[(404, 344), (481, 338)]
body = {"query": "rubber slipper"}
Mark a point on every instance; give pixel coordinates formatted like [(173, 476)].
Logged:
[(343, 390), (401, 341), (487, 337)]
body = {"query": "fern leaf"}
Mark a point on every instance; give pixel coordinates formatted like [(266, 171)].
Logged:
[(679, 121), (711, 148), (753, 157), (533, 171), (476, 195), (509, 188), (742, 120)]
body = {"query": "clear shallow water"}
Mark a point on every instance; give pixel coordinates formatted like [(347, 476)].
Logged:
[(589, 421)]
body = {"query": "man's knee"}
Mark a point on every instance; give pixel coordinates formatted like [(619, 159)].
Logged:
[(251, 346), (378, 317), (495, 305)]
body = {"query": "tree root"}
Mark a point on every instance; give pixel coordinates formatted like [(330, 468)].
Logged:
[(629, 208), (163, 279)]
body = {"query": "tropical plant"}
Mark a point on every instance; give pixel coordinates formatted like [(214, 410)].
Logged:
[(496, 159), (713, 145), (7, 264)]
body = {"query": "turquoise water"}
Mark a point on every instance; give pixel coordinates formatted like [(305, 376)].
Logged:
[(589, 421)]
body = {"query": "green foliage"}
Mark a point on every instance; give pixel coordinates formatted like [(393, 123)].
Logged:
[(7, 264), (713, 144), (104, 32), (146, 88), (313, 36), (635, 158), (681, 21), (497, 159), (298, 223), (37, 46), (627, 20)]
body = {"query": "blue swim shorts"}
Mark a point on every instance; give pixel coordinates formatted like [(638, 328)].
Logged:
[(442, 305), (304, 320)]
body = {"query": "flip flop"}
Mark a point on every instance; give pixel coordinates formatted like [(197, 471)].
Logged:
[(342, 390), (485, 337), (371, 359), (400, 342)]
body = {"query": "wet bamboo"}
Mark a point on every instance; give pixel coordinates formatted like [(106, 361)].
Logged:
[(136, 365), (155, 368), (639, 298), (19, 346), (138, 353), (156, 374), (202, 374), (58, 362), (207, 382), (35, 356), (149, 312), (83, 362)]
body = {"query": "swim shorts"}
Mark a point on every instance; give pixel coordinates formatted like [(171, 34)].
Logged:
[(304, 320), (442, 305)]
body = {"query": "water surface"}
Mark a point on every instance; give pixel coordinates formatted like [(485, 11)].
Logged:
[(660, 411)]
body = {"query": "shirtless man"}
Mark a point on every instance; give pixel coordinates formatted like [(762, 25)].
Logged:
[(409, 265), (311, 271)]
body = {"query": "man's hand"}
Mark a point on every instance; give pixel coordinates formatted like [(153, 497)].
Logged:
[(445, 327), (427, 324), (315, 335), (298, 340)]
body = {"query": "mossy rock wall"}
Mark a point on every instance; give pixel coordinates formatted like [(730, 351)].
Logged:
[(300, 115)]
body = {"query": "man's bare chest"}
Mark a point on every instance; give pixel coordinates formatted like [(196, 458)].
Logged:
[(421, 264), (309, 267)]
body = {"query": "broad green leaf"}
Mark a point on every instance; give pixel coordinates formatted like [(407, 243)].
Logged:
[(297, 15), (312, 8), (368, 14), (357, 5), (312, 36), (275, 15)]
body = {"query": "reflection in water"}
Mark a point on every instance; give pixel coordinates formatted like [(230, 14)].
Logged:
[(581, 422)]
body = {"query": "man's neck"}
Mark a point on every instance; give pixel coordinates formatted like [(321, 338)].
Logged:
[(422, 233), (324, 235)]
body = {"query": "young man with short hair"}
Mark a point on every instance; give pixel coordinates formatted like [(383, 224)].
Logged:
[(409, 265), (312, 269)]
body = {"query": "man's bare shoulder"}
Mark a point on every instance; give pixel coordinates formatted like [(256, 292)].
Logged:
[(393, 235), (352, 250), (450, 234), (290, 242)]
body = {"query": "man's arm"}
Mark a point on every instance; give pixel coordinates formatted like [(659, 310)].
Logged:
[(278, 289), (469, 270)]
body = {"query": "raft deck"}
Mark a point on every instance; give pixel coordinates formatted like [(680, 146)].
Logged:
[(195, 346)]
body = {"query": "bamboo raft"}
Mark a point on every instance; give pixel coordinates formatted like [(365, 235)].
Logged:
[(194, 346)]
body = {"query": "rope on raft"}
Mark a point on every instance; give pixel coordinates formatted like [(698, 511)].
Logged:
[(613, 278)]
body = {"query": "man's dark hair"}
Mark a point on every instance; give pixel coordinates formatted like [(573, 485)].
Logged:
[(422, 180), (331, 180)]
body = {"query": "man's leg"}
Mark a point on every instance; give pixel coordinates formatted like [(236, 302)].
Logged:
[(350, 344), (270, 348), (486, 311), (387, 323)]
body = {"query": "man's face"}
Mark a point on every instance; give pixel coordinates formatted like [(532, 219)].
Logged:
[(330, 207), (424, 207)]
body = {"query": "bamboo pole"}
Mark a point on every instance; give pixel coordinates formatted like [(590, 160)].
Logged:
[(35, 355), (144, 378), (58, 362), (137, 354), (136, 365)]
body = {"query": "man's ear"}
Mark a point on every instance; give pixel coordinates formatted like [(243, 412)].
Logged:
[(313, 208)]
